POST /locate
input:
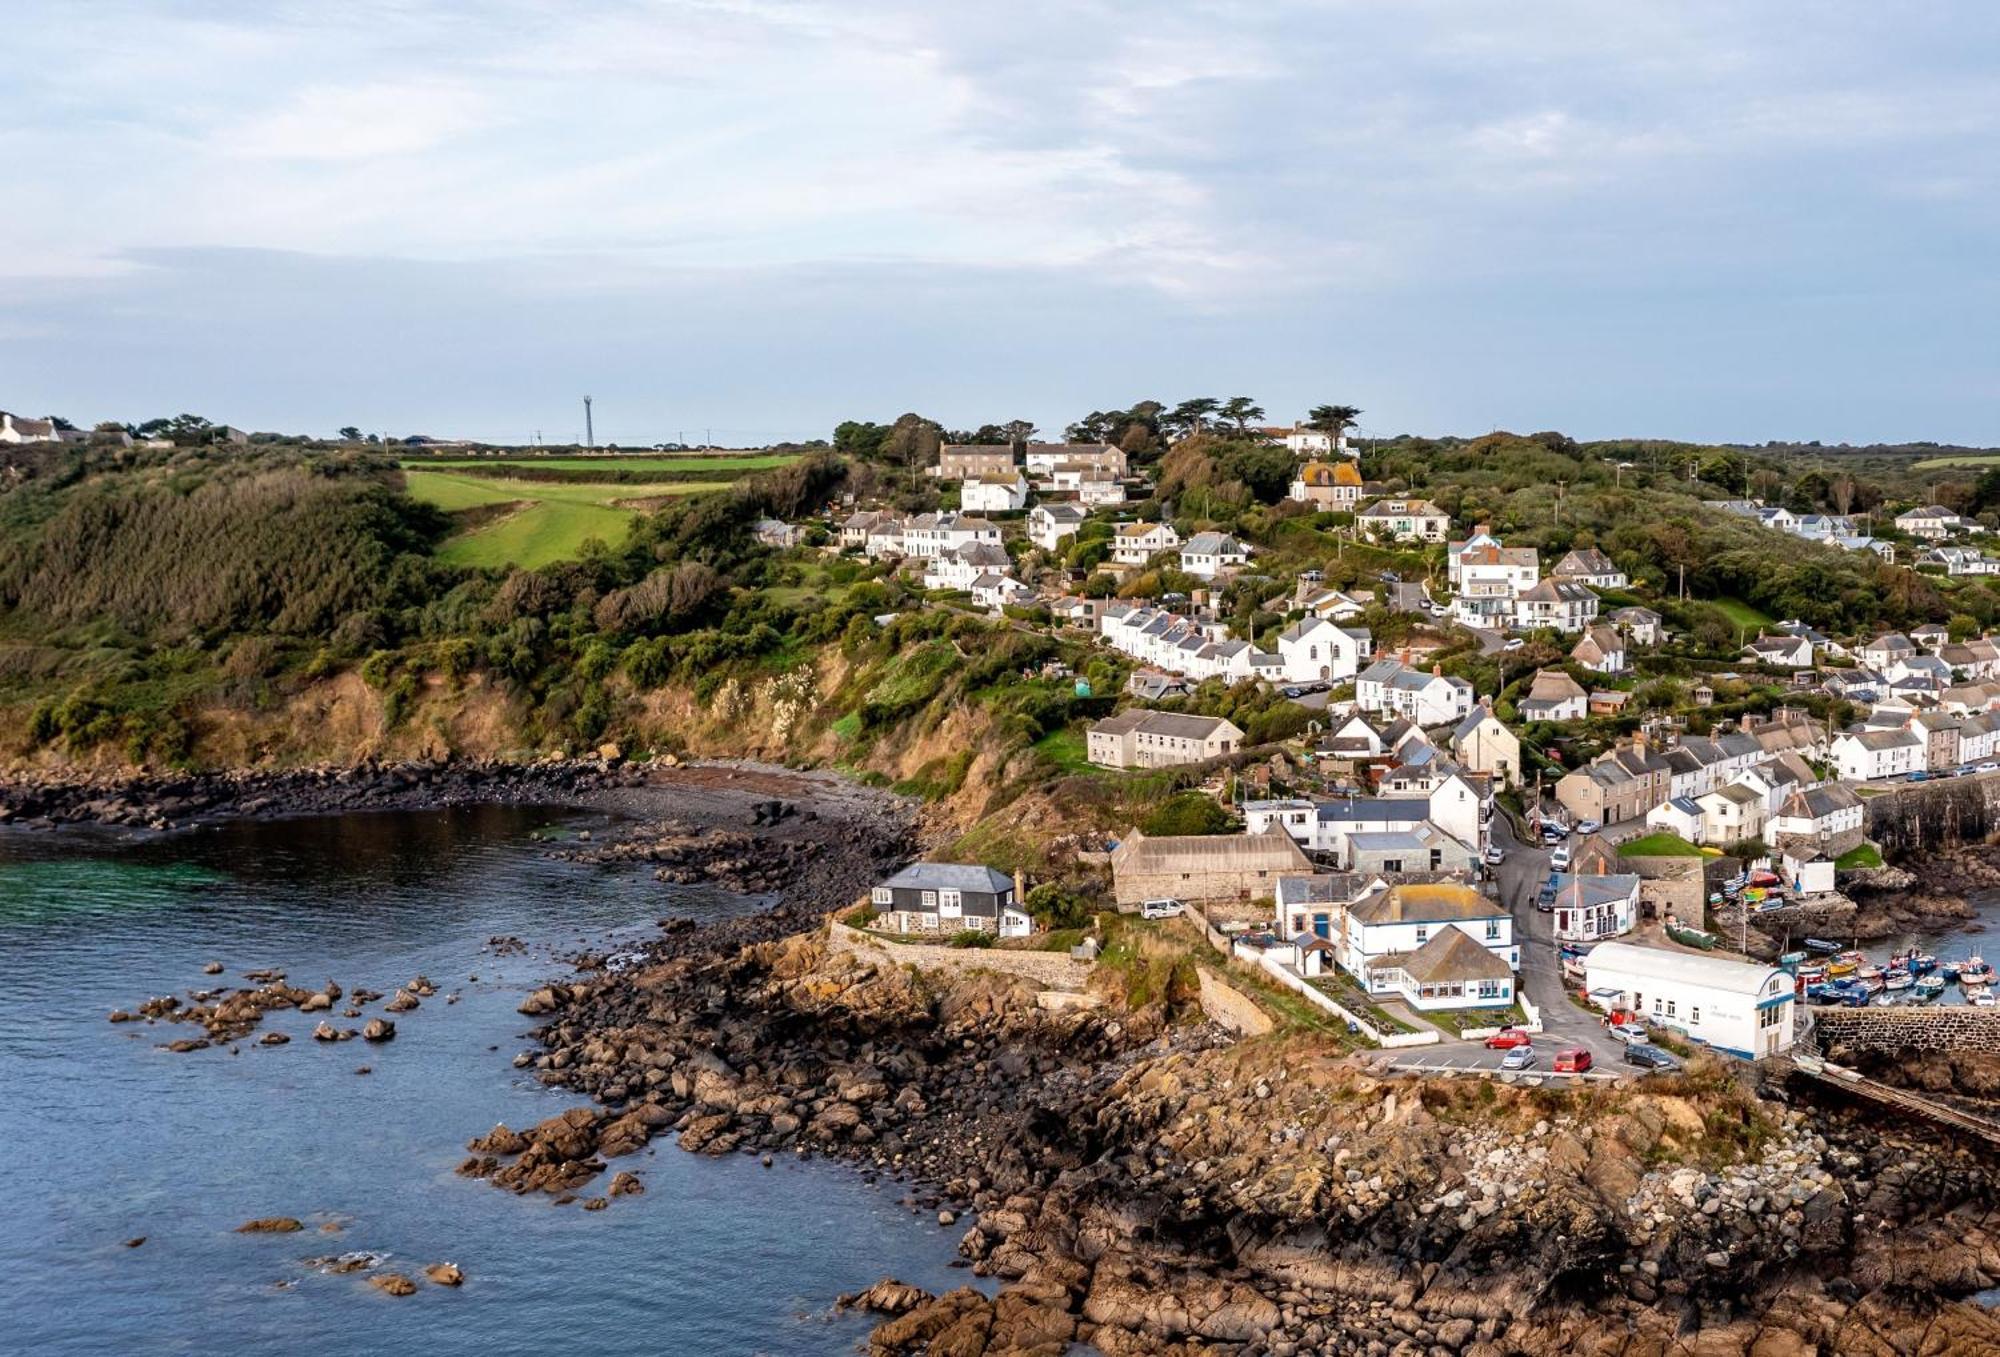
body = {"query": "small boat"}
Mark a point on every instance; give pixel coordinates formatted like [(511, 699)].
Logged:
[(1844, 964), (1920, 963), (1948, 971), (1821, 945), (1856, 997), (1983, 999), (1897, 979), (1930, 987), (1975, 972), (1868, 970), (1813, 972)]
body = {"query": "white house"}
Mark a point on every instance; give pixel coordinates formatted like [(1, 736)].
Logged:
[(1138, 543), (1045, 459), (1588, 565), (1817, 815), (1679, 815), (1315, 650), (1732, 814), (994, 494), (1601, 650), (930, 536), (1563, 604), (1733, 1006), (1934, 522), (959, 567), (1429, 699), (1483, 744), (1593, 908), (1489, 578), (1048, 524), (1208, 554), (1641, 625), (1406, 520), (1437, 945), (1554, 696), (1781, 651), (21, 429), (1864, 755)]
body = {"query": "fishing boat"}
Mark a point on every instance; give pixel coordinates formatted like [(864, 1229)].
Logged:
[(1897, 979), (1846, 963), (1975, 972), (1948, 971), (1856, 996), (1821, 945), (1868, 970), (1919, 963), (1929, 987), (1812, 972)]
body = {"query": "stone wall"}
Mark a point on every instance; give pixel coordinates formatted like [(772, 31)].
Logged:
[(1939, 1028), (1670, 885), (1050, 970), (1925, 815), (1230, 1007)]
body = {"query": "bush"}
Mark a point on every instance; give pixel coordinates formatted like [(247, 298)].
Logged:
[(1057, 907), (971, 937), (1188, 812)]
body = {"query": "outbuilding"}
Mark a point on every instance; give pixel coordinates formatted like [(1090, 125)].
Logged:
[(1743, 1008)]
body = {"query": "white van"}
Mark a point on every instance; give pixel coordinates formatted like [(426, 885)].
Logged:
[(1160, 909)]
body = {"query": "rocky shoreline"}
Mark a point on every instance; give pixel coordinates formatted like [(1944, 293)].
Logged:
[(1146, 1186)]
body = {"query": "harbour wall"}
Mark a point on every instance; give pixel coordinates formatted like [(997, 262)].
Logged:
[(1939, 1028), (1925, 816)]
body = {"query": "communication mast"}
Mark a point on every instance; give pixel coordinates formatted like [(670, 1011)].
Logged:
[(589, 430)]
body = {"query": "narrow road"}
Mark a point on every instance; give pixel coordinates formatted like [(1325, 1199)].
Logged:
[(1520, 877)]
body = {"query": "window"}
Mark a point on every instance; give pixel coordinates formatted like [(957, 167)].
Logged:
[(882, 895), (1423, 932), (1670, 1009), (1770, 1017), (1656, 1004), (949, 899), (930, 899), (1493, 930), (1694, 1013)]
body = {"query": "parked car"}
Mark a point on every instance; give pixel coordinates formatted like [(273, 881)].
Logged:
[(1160, 909), (1514, 643), (1520, 1058), (1631, 1033), (1989, 768), (1495, 855), (1560, 858), (1588, 826), (1919, 776), (1572, 1060), (1507, 1038), (1545, 900), (1312, 576), (1295, 692), (1648, 1057)]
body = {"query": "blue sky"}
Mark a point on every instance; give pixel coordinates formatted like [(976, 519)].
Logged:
[(1699, 220)]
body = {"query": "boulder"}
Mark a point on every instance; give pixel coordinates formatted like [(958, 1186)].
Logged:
[(271, 1225), (541, 1001), (445, 1274), (395, 1283), (379, 1029), (624, 1184)]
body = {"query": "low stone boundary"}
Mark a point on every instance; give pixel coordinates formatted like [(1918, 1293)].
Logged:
[(1528, 1010), (1951, 1027), (1387, 1040), (1050, 970), (1230, 1007)]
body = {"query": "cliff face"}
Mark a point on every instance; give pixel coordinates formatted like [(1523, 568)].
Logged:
[(1927, 816)]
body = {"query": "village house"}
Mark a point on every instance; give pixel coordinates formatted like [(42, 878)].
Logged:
[(1608, 701), (947, 898), (1049, 524), (1825, 819), (1454, 803), (928, 537), (1969, 699), (1137, 738), (1679, 815), (1930, 635), (1332, 604), (887, 538), (1207, 555), (1483, 744), (1588, 565), (966, 461), (1317, 651), (1436, 945), (1618, 785), (1301, 441), (1601, 650), (1429, 699), (1553, 696), (21, 429), (1641, 626), (1891, 647), (1488, 577), (1150, 685), (855, 528), (1593, 908), (1732, 814), (1562, 604), (1180, 645), (1955, 561), (1421, 848), (1741, 1008), (1203, 868), (1043, 459), (995, 592), (1138, 543), (1934, 523), (1405, 520), (1974, 659), (1939, 731), (1865, 755), (961, 566), (1334, 486), (994, 494), (1780, 652)]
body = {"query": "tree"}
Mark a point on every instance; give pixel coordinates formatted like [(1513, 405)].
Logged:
[(349, 433), (1240, 410), (1333, 420), (1190, 416), (1188, 812), (1843, 488), (912, 442), (860, 438), (1019, 432)]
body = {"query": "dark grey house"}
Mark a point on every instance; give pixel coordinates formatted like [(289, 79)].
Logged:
[(950, 897)]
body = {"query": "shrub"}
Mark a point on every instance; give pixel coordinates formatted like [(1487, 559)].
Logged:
[(1188, 812), (971, 937)]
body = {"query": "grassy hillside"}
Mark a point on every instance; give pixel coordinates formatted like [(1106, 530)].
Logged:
[(533, 523)]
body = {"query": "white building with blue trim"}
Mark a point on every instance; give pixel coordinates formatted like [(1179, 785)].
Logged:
[(1744, 1008)]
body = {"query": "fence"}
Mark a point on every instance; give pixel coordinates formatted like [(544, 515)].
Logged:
[(1285, 975), (1528, 1009)]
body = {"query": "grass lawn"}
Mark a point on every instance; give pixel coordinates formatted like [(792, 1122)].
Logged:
[(1855, 859), (1741, 613), (1066, 750), (1660, 845), (551, 525), (1350, 996), (655, 462)]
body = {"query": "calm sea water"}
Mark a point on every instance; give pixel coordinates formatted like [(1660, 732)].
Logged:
[(108, 1137)]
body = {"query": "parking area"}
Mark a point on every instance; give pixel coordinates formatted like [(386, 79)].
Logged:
[(1476, 1061)]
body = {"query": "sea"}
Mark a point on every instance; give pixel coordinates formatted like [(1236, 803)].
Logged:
[(109, 1138)]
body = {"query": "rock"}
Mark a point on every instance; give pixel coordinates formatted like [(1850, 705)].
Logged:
[(395, 1283), (316, 1003), (541, 1001), (379, 1029), (445, 1274), (499, 1140), (947, 1218), (271, 1225), (402, 1003), (624, 1184), (135, 1242), (596, 1204), (212, 968), (886, 1297), (273, 1039), (326, 1031)]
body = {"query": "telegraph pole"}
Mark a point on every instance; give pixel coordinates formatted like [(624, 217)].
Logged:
[(589, 429)]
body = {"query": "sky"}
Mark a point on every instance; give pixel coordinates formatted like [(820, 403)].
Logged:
[(743, 221)]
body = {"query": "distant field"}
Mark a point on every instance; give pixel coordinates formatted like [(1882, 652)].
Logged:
[(1741, 613), (662, 461), (552, 523), (1943, 463)]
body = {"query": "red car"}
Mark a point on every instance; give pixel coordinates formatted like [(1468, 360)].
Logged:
[(1507, 1038), (1573, 1060)]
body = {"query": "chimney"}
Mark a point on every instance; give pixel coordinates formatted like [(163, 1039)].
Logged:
[(1437, 671), (1020, 890), (1487, 702)]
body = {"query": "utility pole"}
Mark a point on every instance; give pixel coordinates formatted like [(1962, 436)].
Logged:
[(589, 429)]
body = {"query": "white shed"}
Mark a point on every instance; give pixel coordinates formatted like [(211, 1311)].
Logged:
[(1740, 1007)]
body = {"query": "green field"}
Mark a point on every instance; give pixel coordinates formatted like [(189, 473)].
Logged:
[(1741, 613), (1945, 463), (551, 524), (1659, 845), (651, 462)]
